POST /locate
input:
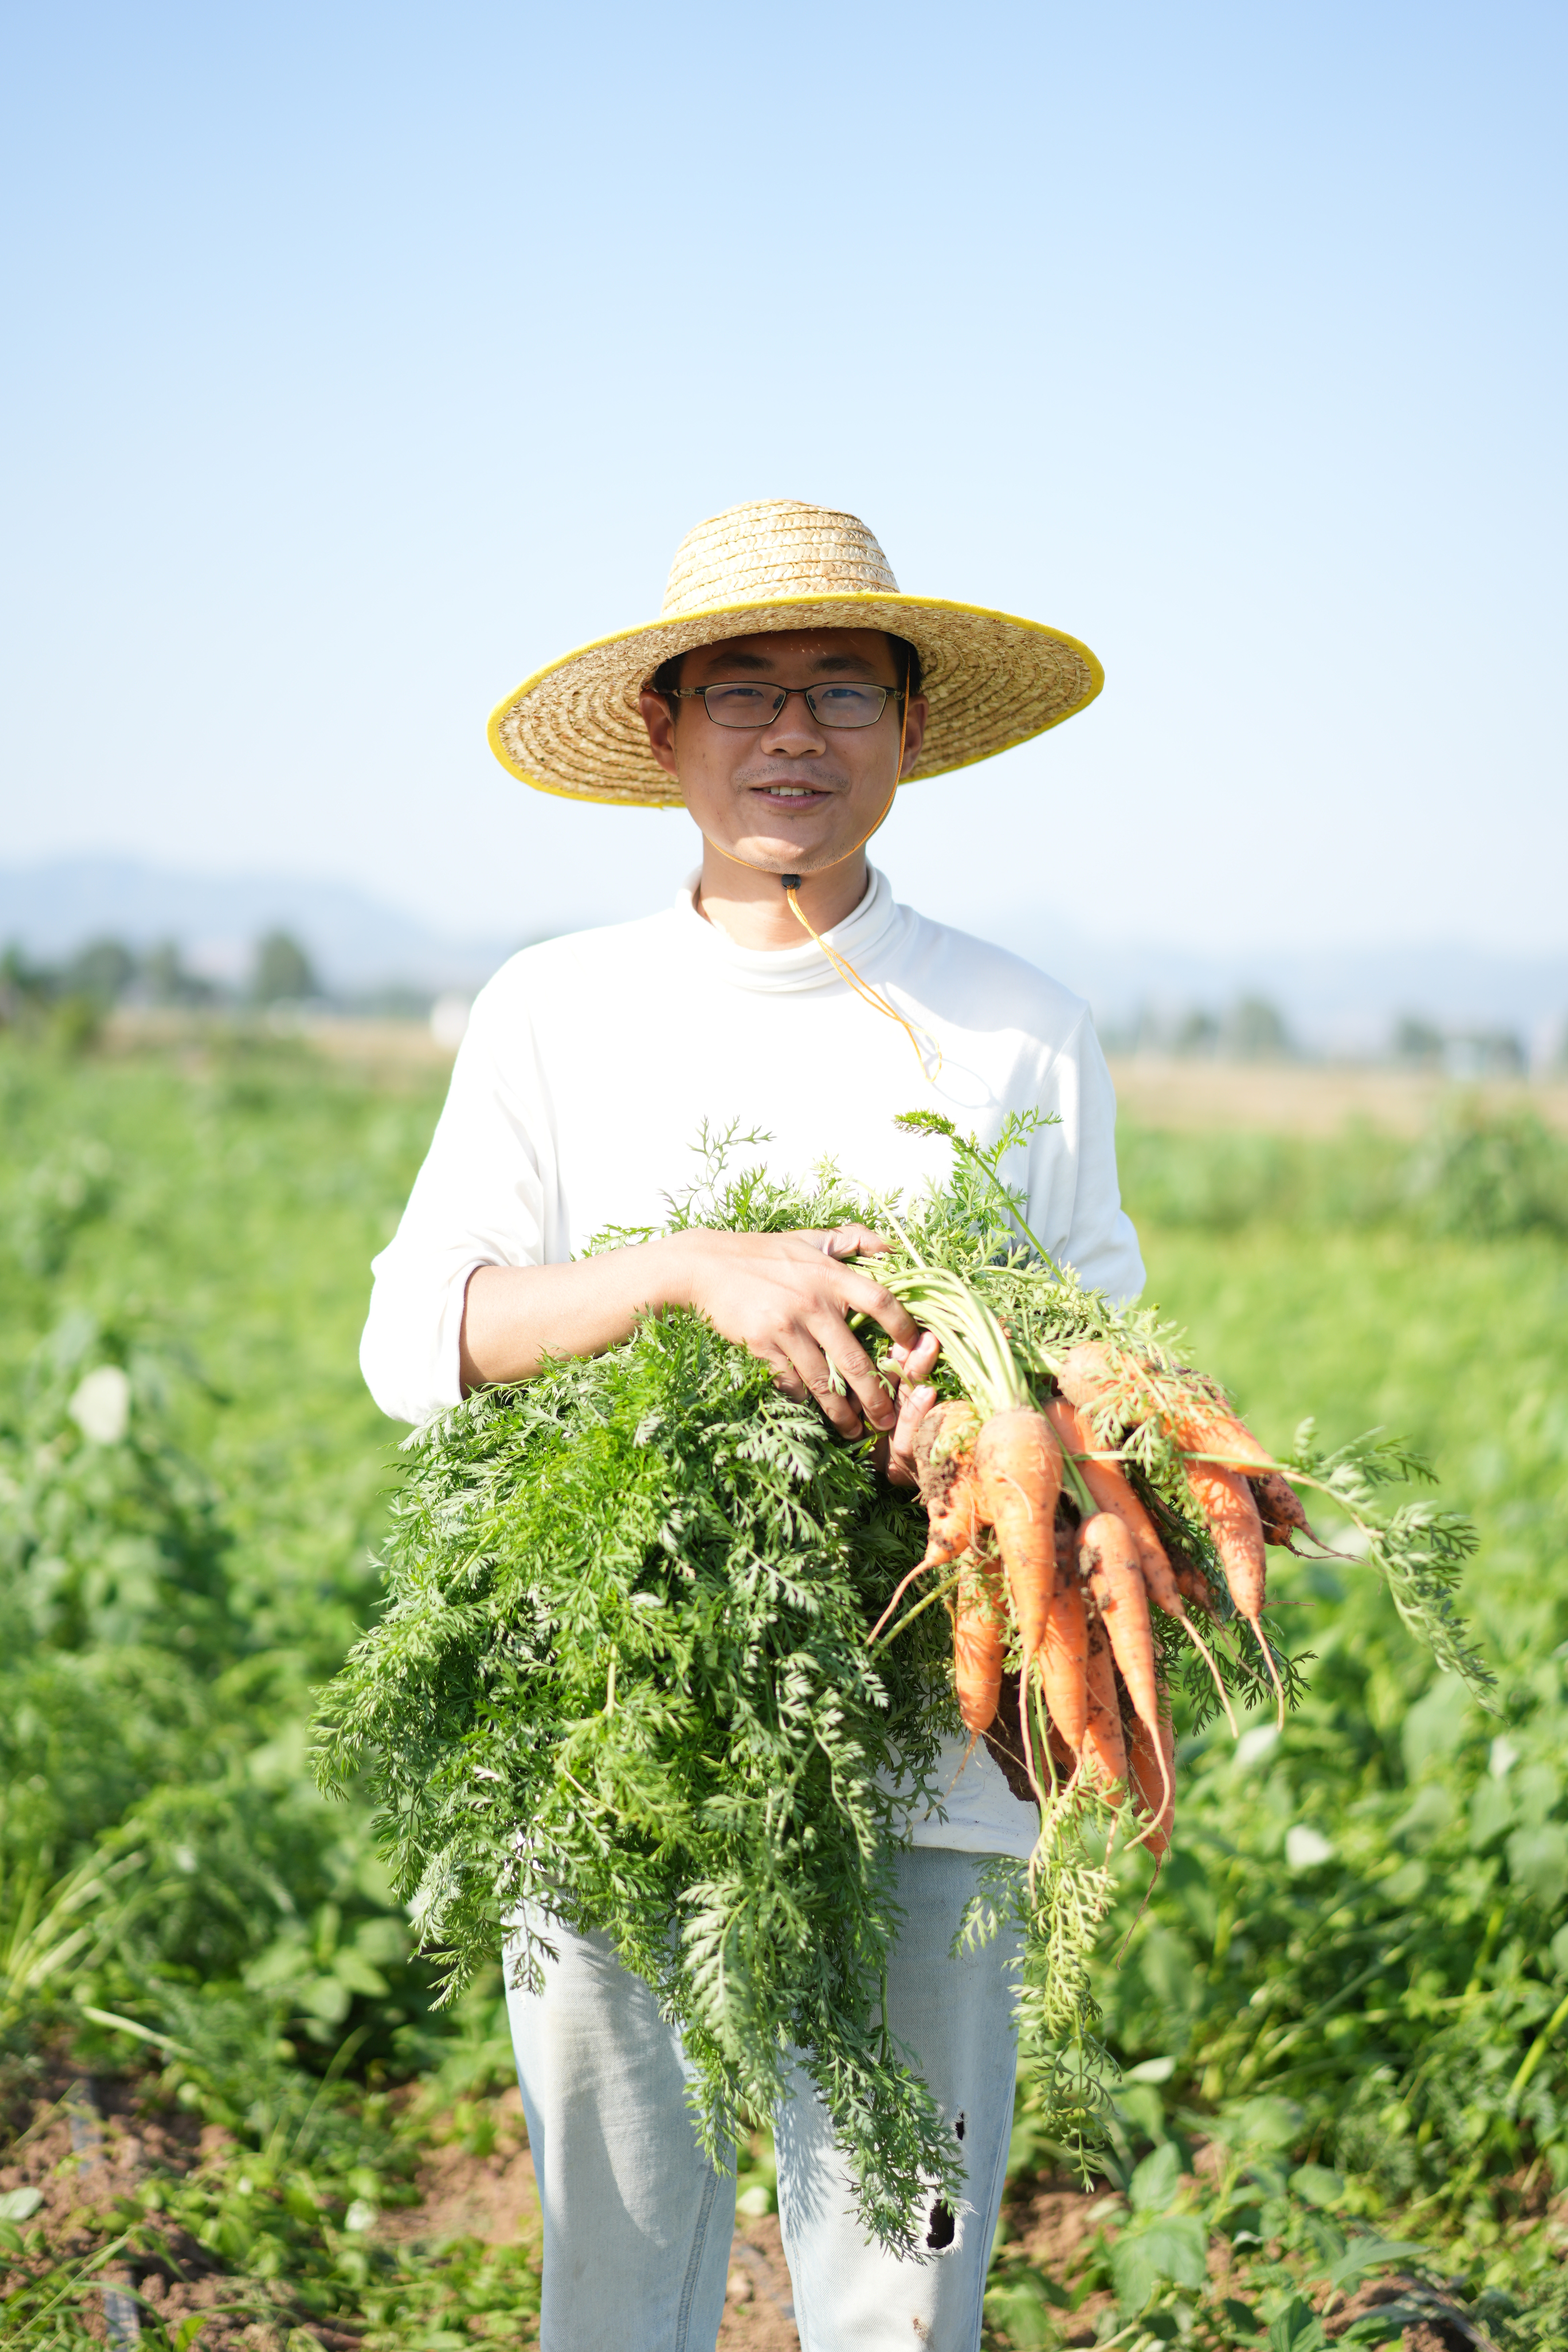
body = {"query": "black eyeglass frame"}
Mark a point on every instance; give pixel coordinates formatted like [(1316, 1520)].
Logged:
[(870, 685)]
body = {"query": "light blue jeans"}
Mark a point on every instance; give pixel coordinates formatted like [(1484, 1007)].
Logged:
[(637, 2224)]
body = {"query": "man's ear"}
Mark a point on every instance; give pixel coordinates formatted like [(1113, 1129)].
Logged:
[(914, 732), (659, 717)]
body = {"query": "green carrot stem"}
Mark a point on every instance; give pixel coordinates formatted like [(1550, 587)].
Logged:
[(961, 1143), (939, 1594), (1085, 1501)]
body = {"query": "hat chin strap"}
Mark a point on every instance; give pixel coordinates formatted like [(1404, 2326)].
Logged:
[(841, 964)]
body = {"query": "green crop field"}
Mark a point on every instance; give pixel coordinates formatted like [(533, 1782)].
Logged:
[(1342, 2017)]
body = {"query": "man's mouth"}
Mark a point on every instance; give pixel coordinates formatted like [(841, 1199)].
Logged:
[(789, 795)]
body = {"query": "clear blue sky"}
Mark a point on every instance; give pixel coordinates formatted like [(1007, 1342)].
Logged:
[(362, 358)]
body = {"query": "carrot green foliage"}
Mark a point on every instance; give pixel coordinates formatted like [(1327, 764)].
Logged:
[(623, 1681)]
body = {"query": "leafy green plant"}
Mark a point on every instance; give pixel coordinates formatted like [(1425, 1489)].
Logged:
[(177, 1552), (1489, 1175), (278, 2222), (1479, 1172), (1162, 2245)]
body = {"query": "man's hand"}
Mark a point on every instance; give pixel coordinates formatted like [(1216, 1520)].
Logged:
[(896, 1450), (786, 1296)]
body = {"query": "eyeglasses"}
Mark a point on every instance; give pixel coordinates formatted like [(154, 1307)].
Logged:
[(838, 704)]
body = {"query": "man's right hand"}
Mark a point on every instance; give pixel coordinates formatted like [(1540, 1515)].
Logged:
[(784, 1295), (786, 1298)]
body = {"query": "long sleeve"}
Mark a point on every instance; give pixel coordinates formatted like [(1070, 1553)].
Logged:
[(1074, 1197), (480, 1198)]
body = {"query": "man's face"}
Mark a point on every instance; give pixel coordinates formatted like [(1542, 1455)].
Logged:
[(792, 796)]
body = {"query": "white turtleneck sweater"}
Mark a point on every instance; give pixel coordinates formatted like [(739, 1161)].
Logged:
[(591, 1062)]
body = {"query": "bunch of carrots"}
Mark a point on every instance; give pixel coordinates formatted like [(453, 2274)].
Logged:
[(1049, 1545), (1072, 1441)]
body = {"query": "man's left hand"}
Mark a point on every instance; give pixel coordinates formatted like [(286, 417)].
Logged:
[(895, 1455)]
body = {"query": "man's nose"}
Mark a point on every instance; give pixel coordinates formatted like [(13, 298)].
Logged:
[(795, 734)]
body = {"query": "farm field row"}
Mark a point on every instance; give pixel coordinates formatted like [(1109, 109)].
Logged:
[(1313, 1099)]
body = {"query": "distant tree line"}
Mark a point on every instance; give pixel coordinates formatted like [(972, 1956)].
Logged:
[(78, 993), (106, 973), (1253, 1030), (1462, 1053)]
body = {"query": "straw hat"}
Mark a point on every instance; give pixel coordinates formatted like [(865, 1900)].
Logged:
[(991, 679)]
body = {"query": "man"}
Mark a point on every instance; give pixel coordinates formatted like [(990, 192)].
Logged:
[(783, 695)]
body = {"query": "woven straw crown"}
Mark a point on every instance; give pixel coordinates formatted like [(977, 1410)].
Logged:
[(991, 679), (766, 551)]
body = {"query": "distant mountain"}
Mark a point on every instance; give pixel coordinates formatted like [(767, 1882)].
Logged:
[(352, 940)]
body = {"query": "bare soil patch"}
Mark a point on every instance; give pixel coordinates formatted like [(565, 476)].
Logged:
[(1294, 1098), (759, 2310), (495, 2199), (85, 2146), (492, 2197)]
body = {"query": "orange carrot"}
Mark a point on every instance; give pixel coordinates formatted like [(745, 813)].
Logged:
[(1194, 1587), (1226, 1501), (1104, 1747), (944, 1461), (1116, 1580), (1005, 1738), (1231, 1516), (1087, 1374), (1153, 1768), (1111, 1490), (1200, 1424), (944, 1465), (1280, 1510), (1018, 1466), (1064, 1665), (1206, 1424), (1018, 1474), (978, 1644), (1110, 1558)]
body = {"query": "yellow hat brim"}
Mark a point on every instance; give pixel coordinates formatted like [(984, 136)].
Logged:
[(991, 679)]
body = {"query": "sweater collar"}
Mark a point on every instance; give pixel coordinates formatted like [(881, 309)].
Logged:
[(779, 972)]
